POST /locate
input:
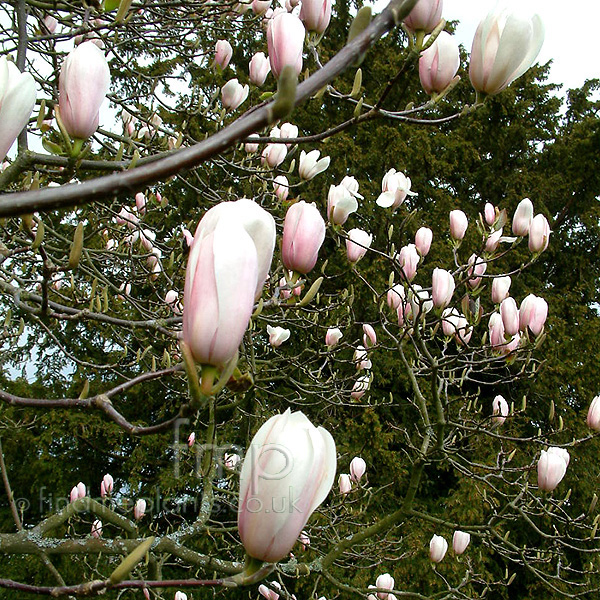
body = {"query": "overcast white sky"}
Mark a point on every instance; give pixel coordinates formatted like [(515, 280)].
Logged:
[(572, 38)]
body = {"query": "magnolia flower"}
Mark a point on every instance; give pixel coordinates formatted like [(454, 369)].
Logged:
[(460, 541), (395, 186), (552, 467), (139, 510), (358, 467), (277, 335), (233, 94), (223, 53), (310, 165), (357, 244), (106, 486), (344, 483), (96, 528), (438, 547), (500, 409), (333, 336), (340, 204), (439, 63), (285, 40), (259, 68), (593, 416)]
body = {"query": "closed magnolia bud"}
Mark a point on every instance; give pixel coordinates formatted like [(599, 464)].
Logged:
[(277, 335), (361, 385), (230, 461), (269, 479), (106, 486), (51, 23), (139, 510), (281, 187), (425, 15), (493, 240), (345, 483), (423, 239), (593, 416), (551, 468), (180, 596), (357, 244), (288, 130), (82, 86), (499, 409), (223, 53), (96, 528), (522, 217), (333, 336), (408, 259), (438, 547), (386, 582), (395, 187), (340, 204), (510, 316), (267, 593), (460, 541), (17, 99), (533, 314), (304, 540), (251, 147), (259, 68), (361, 358), (285, 40), (303, 235), (310, 165), (369, 335), (233, 94), (396, 296), (489, 213), (458, 224), (260, 7), (496, 330), (316, 14), (477, 267), (539, 234), (358, 468), (274, 154), (500, 288), (191, 439), (420, 301), (439, 63), (442, 287), (351, 185), (504, 47)]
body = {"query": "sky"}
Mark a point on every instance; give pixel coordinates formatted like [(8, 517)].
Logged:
[(575, 50)]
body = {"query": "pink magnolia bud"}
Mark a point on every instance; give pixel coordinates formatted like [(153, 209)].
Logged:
[(284, 293), (268, 534), (500, 288), (139, 510), (233, 94), (361, 385), (106, 486), (303, 235), (460, 541), (189, 238), (439, 63), (396, 296), (51, 23), (251, 147), (477, 267), (408, 259), (533, 314), (285, 40), (81, 491), (260, 7), (361, 358), (369, 335), (593, 416), (539, 234), (83, 83), (281, 187), (230, 461), (522, 217), (489, 213), (442, 287), (17, 99), (304, 540), (259, 68), (316, 14), (351, 185), (267, 593), (385, 582), (140, 203), (425, 15), (74, 495), (504, 47), (438, 547), (277, 335), (496, 330), (310, 165), (288, 130), (357, 244), (420, 301), (358, 467), (458, 224), (345, 483), (340, 204), (499, 409), (510, 316), (333, 336), (551, 468), (180, 596), (96, 528), (423, 239), (395, 187), (228, 264), (126, 217), (274, 154), (223, 53)]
